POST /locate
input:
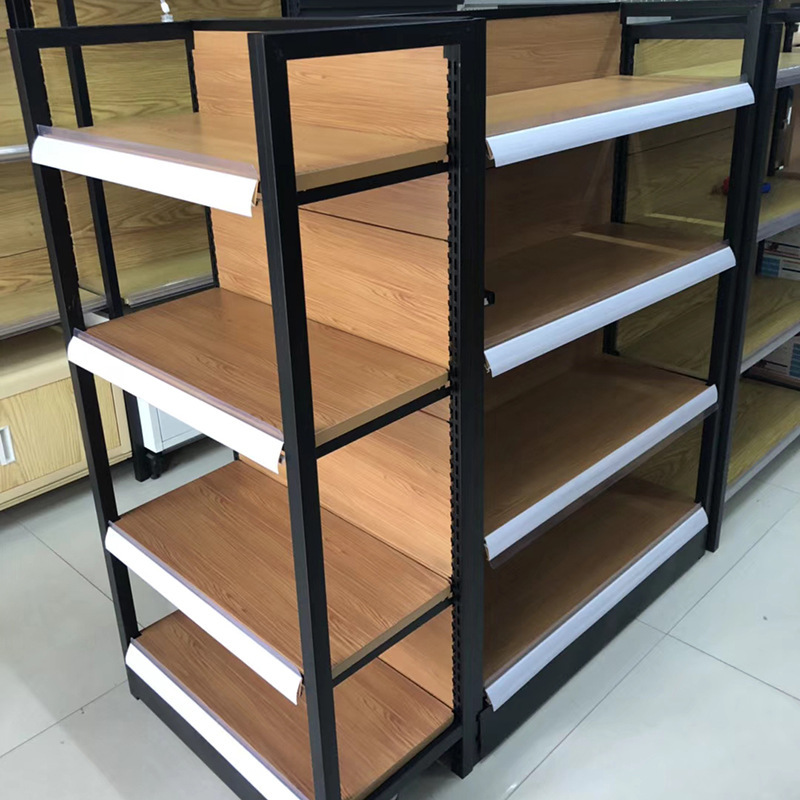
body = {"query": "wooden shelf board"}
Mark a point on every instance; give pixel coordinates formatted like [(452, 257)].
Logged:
[(605, 263), (35, 307), (530, 596), (788, 69), (767, 419), (684, 342), (729, 68), (225, 145), (32, 360), (382, 718), (780, 207), (601, 416), (223, 354), (638, 102), (158, 280), (227, 537)]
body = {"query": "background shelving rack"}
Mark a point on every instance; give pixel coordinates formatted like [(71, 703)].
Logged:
[(269, 53), (673, 532)]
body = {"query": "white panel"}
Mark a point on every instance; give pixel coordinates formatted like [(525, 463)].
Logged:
[(206, 185), (264, 662), (257, 444), (229, 746), (520, 526), (513, 679), (509, 148), (530, 345)]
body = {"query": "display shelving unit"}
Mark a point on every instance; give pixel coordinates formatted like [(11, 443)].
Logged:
[(385, 478)]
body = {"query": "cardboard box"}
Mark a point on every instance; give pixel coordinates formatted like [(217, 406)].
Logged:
[(785, 360)]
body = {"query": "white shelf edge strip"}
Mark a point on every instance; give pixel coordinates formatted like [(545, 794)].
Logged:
[(277, 672), (258, 445), (509, 148), (520, 526), (516, 676), (234, 751), (195, 184), (507, 355)]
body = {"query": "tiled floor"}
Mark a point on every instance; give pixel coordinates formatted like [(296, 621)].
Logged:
[(699, 698)]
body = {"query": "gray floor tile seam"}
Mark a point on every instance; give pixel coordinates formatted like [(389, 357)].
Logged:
[(593, 708), (741, 671), (733, 565), (62, 719)]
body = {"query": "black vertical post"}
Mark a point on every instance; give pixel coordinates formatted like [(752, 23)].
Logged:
[(282, 228), (52, 204), (751, 147), (467, 154)]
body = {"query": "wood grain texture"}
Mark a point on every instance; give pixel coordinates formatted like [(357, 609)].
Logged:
[(398, 93), (24, 263), (395, 483), (12, 130), (677, 465), (783, 200), (382, 718), (691, 57), (544, 198), (227, 535), (387, 286), (157, 240), (538, 590), (36, 307), (414, 206), (32, 360), (222, 350), (541, 51), (766, 416), (44, 430), (683, 341), (124, 12), (426, 657), (527, 460), (594, 266), (532, 108)]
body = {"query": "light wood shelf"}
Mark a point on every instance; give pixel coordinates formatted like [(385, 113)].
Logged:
[(31, 308), (601, 416), (540, 601), (683, 343), (534, 122), (226, 539), (767, 421), (780, 207), (604, 273), (788, 69), (382, 718), (212, 159), (220, 373)]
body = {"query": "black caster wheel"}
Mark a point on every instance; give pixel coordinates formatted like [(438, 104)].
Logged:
[(157, 463)]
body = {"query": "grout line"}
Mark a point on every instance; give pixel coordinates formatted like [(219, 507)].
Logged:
[(62, 719), (734, 667), (594, 707)]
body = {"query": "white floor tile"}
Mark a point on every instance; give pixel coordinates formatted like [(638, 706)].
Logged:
[(113, 749), (500, 774), (784, 470), (751, 619), (65, 519), (750, 514), (681, 725), (58, 639)]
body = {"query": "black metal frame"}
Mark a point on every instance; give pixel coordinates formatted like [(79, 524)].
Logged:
[(275, 43)]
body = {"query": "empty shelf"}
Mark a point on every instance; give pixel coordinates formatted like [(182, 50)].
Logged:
[(382, 718), (535, 122), (212, 160), (220, 549), (558, 291), (767, 422), (543, 599), (684, 342), (219, 374), (550, 446), (33, 308), (780, 207), (158, 280), (788, 70)]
